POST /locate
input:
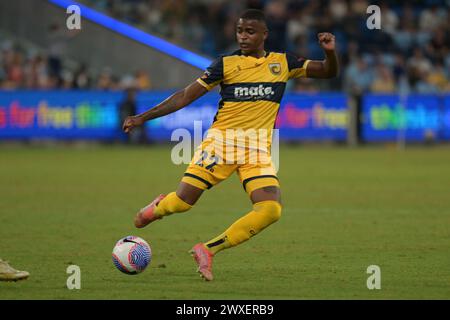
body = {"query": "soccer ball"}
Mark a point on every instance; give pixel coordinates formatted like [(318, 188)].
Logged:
[(131, 255)]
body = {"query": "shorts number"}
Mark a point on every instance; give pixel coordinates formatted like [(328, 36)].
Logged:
[(213, 160)]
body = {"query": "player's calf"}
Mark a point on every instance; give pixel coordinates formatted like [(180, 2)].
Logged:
[(264, 214)]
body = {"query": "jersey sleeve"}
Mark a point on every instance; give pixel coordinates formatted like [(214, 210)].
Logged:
[(213, 75), (296, 66)]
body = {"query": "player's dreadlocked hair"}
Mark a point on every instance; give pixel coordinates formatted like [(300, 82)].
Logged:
[(253, 14)]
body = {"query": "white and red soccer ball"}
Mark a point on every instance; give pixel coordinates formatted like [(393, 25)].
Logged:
[(131, 255)]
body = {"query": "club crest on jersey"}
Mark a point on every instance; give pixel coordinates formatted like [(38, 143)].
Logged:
[(275, 68)]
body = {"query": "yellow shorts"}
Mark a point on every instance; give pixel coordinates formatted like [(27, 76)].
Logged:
[(206, 170)]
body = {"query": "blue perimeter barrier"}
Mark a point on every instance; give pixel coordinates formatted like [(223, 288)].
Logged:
[(301, 117)]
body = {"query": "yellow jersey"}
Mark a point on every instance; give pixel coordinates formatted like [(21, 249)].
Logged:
[(251, 90)]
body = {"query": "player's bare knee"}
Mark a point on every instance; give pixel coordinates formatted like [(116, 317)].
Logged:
[(188, 199), (189, 194), (266, 193)]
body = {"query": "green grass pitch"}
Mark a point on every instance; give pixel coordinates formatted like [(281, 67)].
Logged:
[(344, 210)]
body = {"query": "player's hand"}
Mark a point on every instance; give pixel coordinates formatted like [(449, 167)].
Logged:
[(327, 41), (132, 122)]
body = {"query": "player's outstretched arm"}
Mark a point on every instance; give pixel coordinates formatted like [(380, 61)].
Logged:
[(175, 102), (329, 67)]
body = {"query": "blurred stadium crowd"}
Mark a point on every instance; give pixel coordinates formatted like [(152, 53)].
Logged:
[(25, 66), (411, 52)]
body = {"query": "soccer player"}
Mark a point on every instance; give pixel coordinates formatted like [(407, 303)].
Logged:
[(8, 273), (252, 84)]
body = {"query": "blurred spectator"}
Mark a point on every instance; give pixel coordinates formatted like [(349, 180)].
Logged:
[(359, 7), (296, 26), (338, 9), (389, 19), (431, 18), (384, 81), (128, 81), (404, 38), (29, 69), (56, 49), (142, 80), (105, 79), (439, 42), (438, 78), (418, 67), (81, 79), (14, 69), (128, 108), (358, 77), (277, 24), (399, 67), (36, 72), (423, 86), (67, 79)]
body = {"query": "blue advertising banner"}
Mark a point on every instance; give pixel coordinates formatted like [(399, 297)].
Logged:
[(313, 117), (59, 114), (384, 118), (301, 117), (201, 111), (95, 115), (446, 119)]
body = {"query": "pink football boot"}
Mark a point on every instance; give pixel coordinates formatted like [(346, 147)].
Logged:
[(147, 214)]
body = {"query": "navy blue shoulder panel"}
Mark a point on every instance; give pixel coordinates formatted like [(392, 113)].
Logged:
[(214, 72), (294, 62)]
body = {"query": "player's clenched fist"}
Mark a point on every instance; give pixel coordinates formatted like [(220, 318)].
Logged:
[(327, 40), (131, 122)]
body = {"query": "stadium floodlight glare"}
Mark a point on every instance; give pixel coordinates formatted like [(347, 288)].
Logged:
[(137, 35)]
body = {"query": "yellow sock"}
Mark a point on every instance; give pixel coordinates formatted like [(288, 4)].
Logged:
[(171, 204), (218, 243), (264, 214)]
